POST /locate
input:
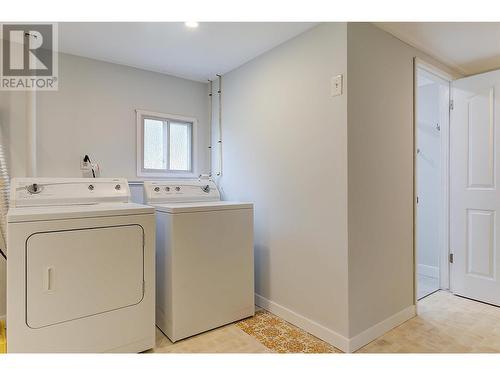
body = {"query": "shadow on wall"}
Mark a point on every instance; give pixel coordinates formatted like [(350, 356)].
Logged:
[(262, 260)]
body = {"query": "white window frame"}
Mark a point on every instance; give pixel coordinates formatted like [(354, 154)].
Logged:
[(140, 115)]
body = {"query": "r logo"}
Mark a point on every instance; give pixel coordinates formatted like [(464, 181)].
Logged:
[(27, 50)]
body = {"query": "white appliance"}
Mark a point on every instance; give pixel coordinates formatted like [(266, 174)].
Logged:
[(80, 267), (204, 257)]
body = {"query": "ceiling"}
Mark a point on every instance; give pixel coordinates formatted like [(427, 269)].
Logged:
[(173, 48), (467, 47)]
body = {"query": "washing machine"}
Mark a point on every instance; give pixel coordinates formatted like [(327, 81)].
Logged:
[(80, 267), (204, 257)]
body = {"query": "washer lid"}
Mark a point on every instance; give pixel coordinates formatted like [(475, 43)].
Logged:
[(175, 208), (21, 214)]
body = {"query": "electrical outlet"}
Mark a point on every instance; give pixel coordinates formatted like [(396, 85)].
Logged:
[(336, 85), (84, 165)]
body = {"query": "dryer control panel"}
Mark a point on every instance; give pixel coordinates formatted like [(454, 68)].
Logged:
[(180, 191), (32, 192)]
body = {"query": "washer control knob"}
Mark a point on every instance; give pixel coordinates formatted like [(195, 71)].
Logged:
[(117, 187), (91, 187), (167, 188), (177, 188), (157, 189)]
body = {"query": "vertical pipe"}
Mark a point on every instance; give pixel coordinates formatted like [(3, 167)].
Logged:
[(31, 162), (210, 102), (219, 173)]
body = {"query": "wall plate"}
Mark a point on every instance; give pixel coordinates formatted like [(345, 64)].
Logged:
[(336, 85)]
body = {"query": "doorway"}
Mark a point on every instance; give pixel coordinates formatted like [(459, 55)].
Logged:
[(431, 172)]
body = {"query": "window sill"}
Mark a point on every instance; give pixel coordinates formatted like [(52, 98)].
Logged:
[(154, 176)]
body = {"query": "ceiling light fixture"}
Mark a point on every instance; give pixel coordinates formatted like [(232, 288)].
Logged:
[(191, 24)]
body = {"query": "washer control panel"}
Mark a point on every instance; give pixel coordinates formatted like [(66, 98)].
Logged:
[(180, 191)]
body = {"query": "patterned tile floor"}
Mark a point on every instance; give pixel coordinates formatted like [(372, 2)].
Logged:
[(281, 336)]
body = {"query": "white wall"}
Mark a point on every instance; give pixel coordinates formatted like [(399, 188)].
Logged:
[(380, 158), (428, 179), (284, 140), (93, 112)]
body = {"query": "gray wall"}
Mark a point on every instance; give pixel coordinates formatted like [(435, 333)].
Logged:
[(285, 150), (94, 112), (380, 159)]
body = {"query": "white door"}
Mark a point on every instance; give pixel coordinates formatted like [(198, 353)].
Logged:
[(474, 188)]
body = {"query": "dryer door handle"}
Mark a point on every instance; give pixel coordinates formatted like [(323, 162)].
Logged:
[(49, 280)]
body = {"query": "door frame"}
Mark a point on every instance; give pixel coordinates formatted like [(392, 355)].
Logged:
[(444, 266)]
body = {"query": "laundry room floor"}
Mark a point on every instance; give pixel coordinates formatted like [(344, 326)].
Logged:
[(446, 324), (262, 333)]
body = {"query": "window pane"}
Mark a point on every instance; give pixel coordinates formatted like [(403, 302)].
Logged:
[(180, 146), (154, 155)]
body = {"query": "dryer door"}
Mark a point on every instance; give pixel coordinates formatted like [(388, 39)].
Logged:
[(78, 273)]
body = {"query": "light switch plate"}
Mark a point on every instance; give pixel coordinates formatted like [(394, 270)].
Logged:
[(336, 88)]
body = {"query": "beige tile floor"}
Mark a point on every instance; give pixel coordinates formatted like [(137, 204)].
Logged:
[(445, 324), (227, 339)]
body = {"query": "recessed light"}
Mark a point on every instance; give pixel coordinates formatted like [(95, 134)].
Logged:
[(191, 24)]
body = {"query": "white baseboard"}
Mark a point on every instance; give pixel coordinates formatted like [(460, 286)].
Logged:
[(379, 329), (306, 324), (429, 271), (326, 334)]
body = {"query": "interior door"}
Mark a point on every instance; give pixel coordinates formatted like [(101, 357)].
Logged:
[(474, 188)]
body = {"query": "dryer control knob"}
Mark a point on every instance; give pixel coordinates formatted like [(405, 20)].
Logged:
[(177, 188), (157, 189), (34, 188)]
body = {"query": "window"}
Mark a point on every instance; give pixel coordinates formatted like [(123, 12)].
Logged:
[(165, 144)]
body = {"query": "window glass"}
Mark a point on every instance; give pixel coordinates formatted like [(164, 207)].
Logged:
[(154, 144), (180, 146)]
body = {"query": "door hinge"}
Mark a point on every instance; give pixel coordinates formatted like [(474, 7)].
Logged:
[(451, 258), (452, 105)]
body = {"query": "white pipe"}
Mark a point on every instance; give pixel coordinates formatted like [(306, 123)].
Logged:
[(31, 162), (210, 102), (219, 173)]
